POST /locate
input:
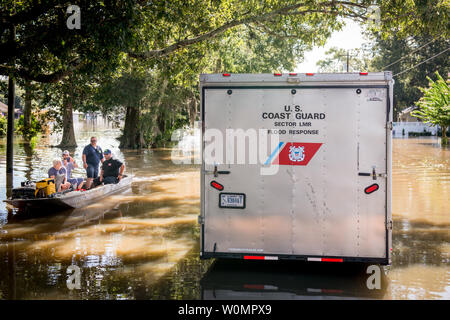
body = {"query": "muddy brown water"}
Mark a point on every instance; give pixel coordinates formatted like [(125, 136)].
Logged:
[(143, 243)]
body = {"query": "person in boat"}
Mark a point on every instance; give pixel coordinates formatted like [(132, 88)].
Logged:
[(59, 173), (92, 156), (112, 170), (70, 164)]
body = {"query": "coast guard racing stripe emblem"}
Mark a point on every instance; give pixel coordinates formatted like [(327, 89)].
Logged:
[(295, 153)]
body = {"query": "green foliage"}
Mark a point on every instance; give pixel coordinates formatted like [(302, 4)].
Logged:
[(46, 50), (398, 54), (406, 18), (3, 126), (336, 61), (34, 129), (435, 104)]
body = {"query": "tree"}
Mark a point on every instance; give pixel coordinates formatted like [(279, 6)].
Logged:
[(409, 18), (435, 105), (44, 49), (406, 58), (336, 61)]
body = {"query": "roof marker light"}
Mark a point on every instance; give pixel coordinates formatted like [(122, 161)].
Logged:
[(277, 74), (363, 73), (226, 74), (292, 74), (309, 74)]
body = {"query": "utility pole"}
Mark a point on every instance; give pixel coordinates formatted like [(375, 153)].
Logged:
[(10, 131), (348, 60)]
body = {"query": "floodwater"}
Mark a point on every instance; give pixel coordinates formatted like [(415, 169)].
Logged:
[(143, 243)]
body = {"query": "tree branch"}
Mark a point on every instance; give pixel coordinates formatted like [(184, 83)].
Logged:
[(288, 10), (44, 78)]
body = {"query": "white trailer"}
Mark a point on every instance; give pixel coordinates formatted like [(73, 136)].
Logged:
[(322, 191)]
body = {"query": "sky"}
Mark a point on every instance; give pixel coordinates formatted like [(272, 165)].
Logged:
[(349, 37)]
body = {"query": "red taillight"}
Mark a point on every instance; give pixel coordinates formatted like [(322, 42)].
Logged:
[(310, 74), (363, 73), (372, 188), (216, 185), (277, 74), (292, 74), (226, 74)]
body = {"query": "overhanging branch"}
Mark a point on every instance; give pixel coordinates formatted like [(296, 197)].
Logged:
[(44, 78), (288, 10)]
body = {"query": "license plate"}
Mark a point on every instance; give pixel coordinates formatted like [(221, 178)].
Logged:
[(232, 200)]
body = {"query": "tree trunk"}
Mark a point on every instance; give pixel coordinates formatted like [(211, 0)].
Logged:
[(193, 111), (444, 140), (27, 111), (131, 137), (68, 139)]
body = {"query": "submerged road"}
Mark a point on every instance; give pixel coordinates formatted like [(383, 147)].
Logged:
[(143, 243)]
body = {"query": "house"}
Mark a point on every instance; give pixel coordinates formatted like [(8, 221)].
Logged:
[(4, 111), (405, 115)]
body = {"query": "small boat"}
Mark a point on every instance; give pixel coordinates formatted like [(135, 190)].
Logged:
[(72, 199)]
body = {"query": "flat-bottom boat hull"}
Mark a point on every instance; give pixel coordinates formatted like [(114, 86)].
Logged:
[(71, 200)]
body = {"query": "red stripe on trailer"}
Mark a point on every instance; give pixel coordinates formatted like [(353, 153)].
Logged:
[(254, 286), (254, 257), (332, 291), (260, 257), (332, 260)]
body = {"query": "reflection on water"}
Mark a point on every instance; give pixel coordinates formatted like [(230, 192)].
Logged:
[(292, 280), (143, 243)]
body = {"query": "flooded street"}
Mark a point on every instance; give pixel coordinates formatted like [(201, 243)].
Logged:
[(143, 243)]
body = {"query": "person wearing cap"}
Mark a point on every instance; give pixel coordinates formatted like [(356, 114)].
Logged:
[(92, 155), (112, 170), (70, 164)]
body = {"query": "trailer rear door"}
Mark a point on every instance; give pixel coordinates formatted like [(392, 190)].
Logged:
[(328, 197)]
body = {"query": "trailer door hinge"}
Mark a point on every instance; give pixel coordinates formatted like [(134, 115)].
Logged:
[(201, 220), (389, 225), (389, 125)]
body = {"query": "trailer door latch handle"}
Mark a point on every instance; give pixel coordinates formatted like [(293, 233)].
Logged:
[(216, 172)]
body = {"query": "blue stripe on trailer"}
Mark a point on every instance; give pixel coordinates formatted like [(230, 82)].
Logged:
[(268, 161)]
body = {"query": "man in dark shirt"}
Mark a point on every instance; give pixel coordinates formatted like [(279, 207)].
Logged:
[(92, 155), (112, 169)]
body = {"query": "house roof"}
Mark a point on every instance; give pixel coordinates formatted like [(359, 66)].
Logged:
[(408, 110), (3, 107)]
